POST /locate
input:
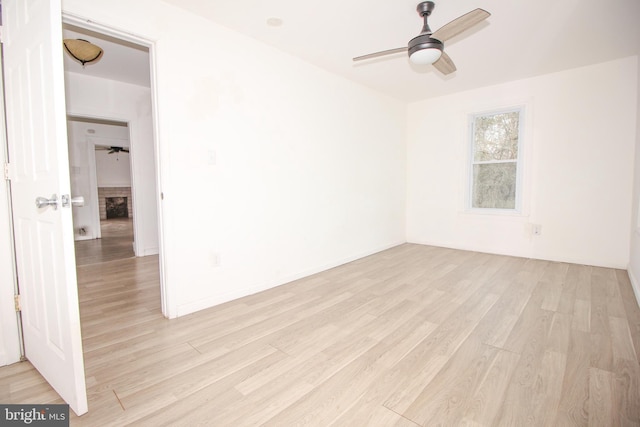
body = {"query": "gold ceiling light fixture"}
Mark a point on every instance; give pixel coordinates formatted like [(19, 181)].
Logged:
[(82, 50)]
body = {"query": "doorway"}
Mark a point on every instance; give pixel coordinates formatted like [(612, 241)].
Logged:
[(112, 98), (100, 172)]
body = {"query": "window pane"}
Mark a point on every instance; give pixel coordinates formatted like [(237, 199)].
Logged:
[(496, 137), (494, 186)]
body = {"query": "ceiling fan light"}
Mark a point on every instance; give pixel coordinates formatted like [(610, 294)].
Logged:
[(425, 56)]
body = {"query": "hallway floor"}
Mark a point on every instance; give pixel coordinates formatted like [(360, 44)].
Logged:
[(116, 243)]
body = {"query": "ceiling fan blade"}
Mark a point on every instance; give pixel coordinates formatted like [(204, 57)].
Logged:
[(444, 64), (381, 53), (460, 24), (124, 150)]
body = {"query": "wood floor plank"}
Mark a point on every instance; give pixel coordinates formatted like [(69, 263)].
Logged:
[(621, 340), (413, 335), (558, 339), (446, 398), (601, 345), (601, 401), (532, 327), (581, 315), (486, 400), (573, 408), (626, 391)]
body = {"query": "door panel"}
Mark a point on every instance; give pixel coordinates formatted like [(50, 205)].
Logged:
[(37, 140)]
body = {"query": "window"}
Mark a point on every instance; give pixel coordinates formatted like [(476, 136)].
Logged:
[(495, 160)]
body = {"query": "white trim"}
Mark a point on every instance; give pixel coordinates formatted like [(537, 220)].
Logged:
[(108, 30), (11, 346), (10, 336), (93, 182), (138, 244), (511, 252), (166, 292)]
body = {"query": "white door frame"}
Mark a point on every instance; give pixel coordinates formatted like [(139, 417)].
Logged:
[(93, 178), (77, 21), (11, 346)]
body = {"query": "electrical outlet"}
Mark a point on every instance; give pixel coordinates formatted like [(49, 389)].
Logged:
[(536, 229)]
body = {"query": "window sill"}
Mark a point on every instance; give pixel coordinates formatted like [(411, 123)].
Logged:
[(503, 213)]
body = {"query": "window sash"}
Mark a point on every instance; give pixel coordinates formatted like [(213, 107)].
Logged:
[(471, 186)]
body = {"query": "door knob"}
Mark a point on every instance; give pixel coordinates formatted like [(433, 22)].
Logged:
[(43, 202), (72, 201)]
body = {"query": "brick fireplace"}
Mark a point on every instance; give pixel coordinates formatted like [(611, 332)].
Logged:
[(113, 192)]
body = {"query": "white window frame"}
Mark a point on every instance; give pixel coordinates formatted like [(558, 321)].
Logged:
[(518, 209)]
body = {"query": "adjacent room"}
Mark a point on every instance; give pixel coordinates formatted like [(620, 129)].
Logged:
[(447, 233)]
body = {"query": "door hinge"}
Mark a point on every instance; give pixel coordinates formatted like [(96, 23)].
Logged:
[(16, 302), (6, 172)]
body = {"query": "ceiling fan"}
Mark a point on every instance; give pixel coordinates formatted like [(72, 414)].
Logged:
[(117, 150), (428, 47), (113, 149)]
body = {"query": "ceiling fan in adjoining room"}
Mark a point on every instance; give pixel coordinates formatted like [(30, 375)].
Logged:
[(428, 47), (117, 150), (113, 149)]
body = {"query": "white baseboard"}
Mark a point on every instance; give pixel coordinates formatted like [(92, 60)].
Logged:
[(518, 253), (150, 251)]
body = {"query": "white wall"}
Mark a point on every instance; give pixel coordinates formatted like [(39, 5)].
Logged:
[(634, 262), (309, 168), (113, 169), (108, 99), (579, 137)]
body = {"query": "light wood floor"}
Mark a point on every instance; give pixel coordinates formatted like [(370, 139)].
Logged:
[(116, 243), (414, 335)]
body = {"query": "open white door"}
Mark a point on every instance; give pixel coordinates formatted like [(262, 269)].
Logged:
[(39, 167)]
